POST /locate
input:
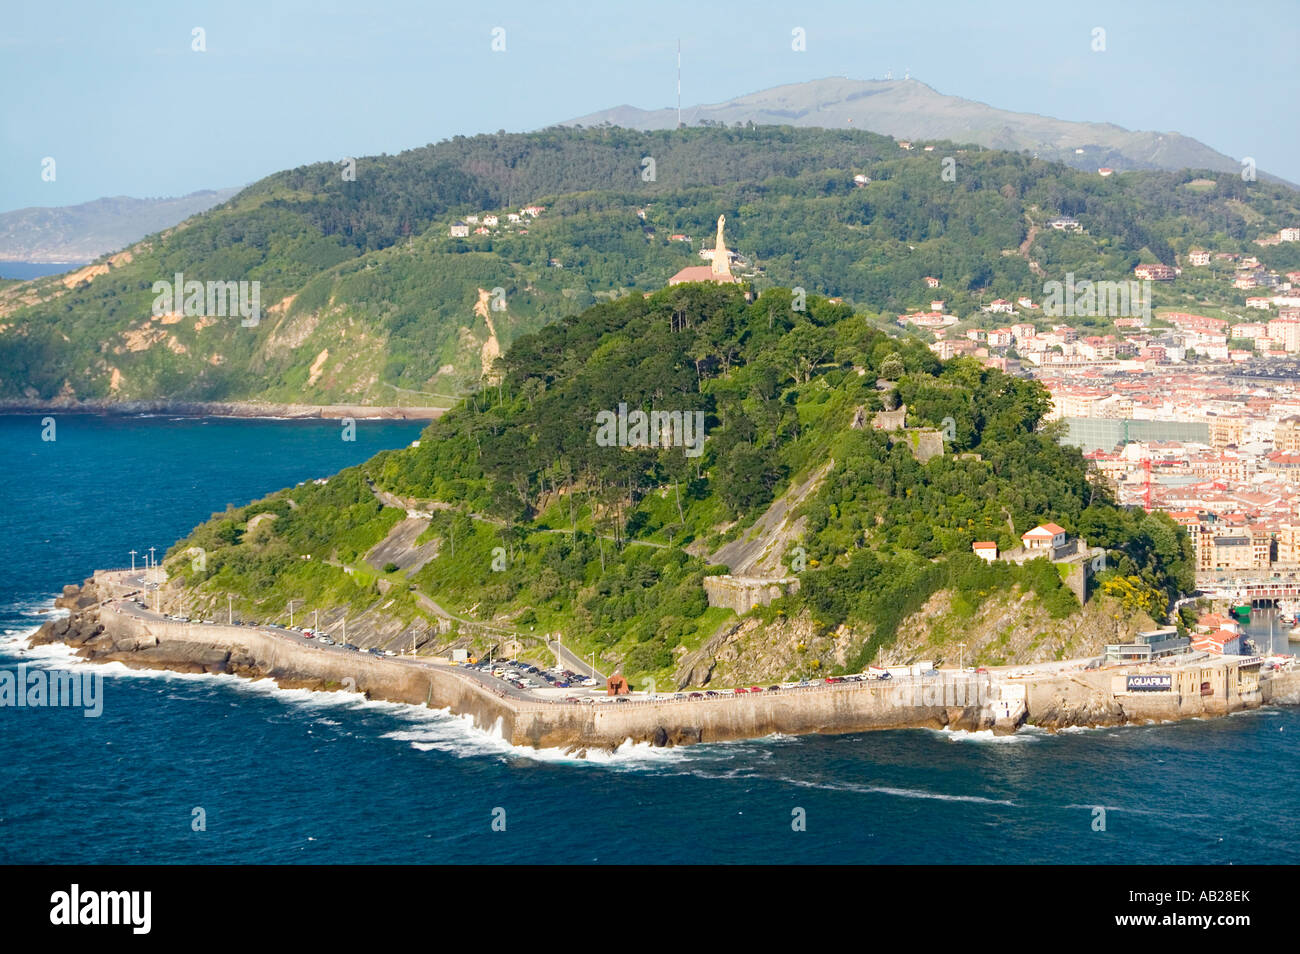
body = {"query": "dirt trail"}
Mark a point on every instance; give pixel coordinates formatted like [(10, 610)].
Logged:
[(1026, 245)]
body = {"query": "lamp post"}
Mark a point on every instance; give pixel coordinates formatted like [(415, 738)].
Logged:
[(291, 602), (132, 561)]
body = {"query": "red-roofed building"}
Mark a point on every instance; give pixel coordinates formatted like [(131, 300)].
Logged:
[(1045, 536), (1156, 272), (1220, 643)]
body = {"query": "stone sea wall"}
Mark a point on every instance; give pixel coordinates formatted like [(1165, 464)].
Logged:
[(100, 632)]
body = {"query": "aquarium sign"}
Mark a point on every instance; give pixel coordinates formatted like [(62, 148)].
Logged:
[(1154, 682)]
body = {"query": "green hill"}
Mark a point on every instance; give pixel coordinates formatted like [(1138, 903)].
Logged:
[(532, 524), (366, 299)]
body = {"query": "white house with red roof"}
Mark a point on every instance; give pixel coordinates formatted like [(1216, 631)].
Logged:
[(985, 549), (1045, 536)]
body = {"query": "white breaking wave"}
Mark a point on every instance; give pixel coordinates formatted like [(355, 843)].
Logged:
[(457, 735), (984, 735), (431, 729)]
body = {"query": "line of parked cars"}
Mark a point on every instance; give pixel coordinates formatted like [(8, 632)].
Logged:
[(326, 640), (525, 675)]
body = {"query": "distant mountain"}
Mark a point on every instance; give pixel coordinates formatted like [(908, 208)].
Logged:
[(909, 109), (80, 233)]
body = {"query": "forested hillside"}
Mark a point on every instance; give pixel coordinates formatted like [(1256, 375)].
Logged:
[(365, 298), (540, 527)]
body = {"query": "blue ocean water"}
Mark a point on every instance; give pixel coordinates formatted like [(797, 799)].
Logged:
[(30, 270), (293, 776)]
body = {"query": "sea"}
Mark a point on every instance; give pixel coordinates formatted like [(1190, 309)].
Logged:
[(191, 769), (29, 270)]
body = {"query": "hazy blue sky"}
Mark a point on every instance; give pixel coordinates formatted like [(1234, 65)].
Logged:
[(115, 94)]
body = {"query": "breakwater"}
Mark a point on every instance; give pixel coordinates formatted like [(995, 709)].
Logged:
[(102, 630)]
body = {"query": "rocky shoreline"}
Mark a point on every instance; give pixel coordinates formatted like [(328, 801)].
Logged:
[(99, 632)]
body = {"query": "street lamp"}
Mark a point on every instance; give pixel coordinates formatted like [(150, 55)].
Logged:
[(132, 561), (291, 602)]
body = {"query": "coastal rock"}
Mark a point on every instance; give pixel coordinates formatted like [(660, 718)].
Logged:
[(77, 597), (134, 643), (967, 719), (1063, 713)]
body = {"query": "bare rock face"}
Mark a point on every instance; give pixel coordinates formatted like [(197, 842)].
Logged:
[(76, 630), (76, 598), (967, 718), (1063, 714), (751, 651)]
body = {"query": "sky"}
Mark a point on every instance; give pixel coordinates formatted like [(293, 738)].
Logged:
[(118, 97)]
